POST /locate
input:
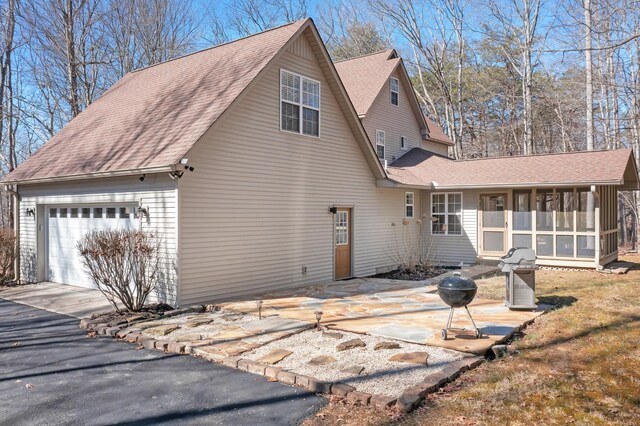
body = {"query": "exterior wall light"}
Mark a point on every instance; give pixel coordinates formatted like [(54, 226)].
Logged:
[(30, 212), (333, 209)]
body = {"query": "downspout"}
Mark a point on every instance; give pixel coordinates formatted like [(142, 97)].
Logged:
[(16, 230)]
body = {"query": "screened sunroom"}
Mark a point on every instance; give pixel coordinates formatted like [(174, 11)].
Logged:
[(564, 206)]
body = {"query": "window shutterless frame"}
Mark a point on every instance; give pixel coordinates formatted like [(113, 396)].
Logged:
[(394, 91), (300, 103), (380, 144), (442, 201), (409, 205)]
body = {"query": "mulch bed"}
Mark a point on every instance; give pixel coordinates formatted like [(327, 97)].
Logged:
[(416, 274), (113, 318)]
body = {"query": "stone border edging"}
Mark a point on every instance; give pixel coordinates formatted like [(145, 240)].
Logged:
[(408, 400)]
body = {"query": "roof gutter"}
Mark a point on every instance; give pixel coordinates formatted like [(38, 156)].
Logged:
[(95, 175), (434, 186)]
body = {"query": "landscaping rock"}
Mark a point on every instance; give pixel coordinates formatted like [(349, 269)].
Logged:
[(287, 377), (197, 322), (231, 361), (411, 357), (194, 337), (332, 335), (111, 331), (148, 343), (341, 389), (354, 369), (134, 318), (163, 330), (162, 345), (275, 356), (436, 379), (302, 380), (358, 398), (499, 351), (176, 347), (272, 371), (410, 399), (382, 402), (318, 386), (322, 360), (386, 345), (132, 337), (256, 368), (350, 344)]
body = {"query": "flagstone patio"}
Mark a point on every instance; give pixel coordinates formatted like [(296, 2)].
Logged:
[(406, 311)]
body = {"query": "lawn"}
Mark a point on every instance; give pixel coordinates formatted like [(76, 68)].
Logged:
[(579, 363)]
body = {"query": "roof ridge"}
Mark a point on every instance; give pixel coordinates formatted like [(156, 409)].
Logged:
[(219, 45), (365, 55), (542, 154)]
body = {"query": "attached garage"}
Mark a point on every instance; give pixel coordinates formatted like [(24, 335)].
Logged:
[(67, 224)]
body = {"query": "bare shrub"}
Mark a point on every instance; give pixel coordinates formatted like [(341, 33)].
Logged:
[(7, 254), (410, 251), (123, 264)]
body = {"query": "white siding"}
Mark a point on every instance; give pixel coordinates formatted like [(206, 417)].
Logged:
[(453, 249), (157, 193), (438, 148), (396, 121), (255, 211)]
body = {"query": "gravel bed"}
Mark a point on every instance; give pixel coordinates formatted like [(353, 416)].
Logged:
[(380, 376), (221, 321)]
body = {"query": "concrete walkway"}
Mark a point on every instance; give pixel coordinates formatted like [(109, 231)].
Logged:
[(59, 298)]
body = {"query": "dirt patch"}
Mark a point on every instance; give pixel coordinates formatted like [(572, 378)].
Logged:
[(113, 318), (419, 273), (8, 284)]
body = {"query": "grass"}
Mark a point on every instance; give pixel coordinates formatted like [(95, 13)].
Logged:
[(579, 363)]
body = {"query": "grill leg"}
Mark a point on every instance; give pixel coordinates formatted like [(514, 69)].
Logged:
[(478, 334), (450, 318)]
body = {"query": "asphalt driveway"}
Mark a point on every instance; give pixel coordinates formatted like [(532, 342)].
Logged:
[(52, 373)]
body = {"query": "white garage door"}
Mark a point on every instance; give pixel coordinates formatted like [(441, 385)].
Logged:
[(66, 225)]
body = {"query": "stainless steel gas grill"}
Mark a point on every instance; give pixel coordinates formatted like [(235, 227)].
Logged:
[(519, 267), (457, 292)]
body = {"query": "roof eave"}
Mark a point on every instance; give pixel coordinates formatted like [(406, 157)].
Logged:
[(434, 186), (107, 174)]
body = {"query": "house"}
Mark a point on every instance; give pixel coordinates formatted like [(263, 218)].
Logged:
[(264, 166)]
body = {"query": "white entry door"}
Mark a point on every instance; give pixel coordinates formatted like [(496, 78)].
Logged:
[(67, 224)]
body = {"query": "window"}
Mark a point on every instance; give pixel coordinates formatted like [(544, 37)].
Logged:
[(408, 205), (300, 104), (394, 87), (63, 212), (545, 204), (124, 213), (53, 212), (564, 214), (74, 212), (97, 213), (403, 142), (446, 212), (111, 212), (342, 227), (380, 144), (586, 210), (86, 212)]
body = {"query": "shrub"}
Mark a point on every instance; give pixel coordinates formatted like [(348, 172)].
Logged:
[(8, 254), (123, 264)]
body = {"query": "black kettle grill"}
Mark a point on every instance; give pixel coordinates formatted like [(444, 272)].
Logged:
[(457, 292)]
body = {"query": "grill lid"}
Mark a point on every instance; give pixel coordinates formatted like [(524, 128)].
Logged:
[(456, 282)]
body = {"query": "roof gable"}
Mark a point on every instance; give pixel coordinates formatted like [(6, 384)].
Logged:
[(152, 117)]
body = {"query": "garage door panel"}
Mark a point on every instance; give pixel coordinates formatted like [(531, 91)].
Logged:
[(67, 225)]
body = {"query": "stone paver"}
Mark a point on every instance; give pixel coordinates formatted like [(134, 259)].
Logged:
[(400, 310), (386, 345), (350, 344), (411, 357), (322, 360), (275, 356)]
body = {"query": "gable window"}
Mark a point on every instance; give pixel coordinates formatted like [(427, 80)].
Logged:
[(408, 205), (446, 212), (394, 87), (299, 104), (380, 144), (403, 142)]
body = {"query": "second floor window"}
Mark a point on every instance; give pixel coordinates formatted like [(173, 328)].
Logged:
[(408, 205), (300, 104), (395, 89), (380, 144)]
